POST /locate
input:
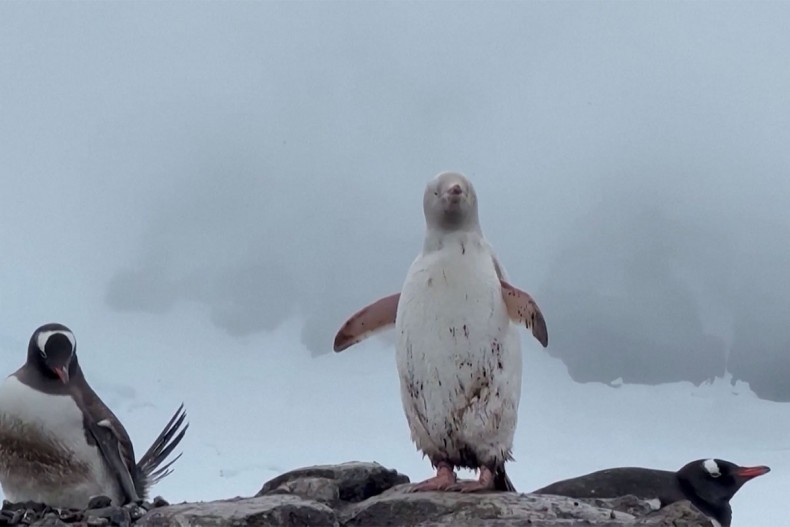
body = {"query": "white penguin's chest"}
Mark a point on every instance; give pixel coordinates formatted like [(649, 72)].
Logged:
[(458, 357), (452, 323), (451, 302), (44, 453)]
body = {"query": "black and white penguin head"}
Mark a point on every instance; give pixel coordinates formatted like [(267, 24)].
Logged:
[(717, 481), (53, 350), (450, 203)]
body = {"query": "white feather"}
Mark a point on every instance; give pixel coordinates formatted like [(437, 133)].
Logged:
[(31, 418), (458, 356), (712, 467), (43, 337)]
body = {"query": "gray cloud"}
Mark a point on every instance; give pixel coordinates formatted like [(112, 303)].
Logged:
[(266, 160)]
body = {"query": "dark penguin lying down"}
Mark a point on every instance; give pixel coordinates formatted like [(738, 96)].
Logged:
[(707, 483)]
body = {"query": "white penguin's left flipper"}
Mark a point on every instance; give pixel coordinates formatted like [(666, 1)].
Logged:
[(376, 317), (522, 309)]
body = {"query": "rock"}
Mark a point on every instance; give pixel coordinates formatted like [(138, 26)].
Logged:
[(272, 511), (355, 481), (10, 517), (99, 502), (24, 505), (324, 490), (50, 520), (135, 511), (115, 515), (678, 514), (629, 504), (398, 507), (30, 516), (71, 515), (363, 494)]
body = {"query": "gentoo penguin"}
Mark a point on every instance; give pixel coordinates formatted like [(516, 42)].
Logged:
[(707, 483), (457, 353), (60, 444)]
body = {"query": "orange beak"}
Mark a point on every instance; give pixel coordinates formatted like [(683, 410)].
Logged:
[(752, 472), (62, 373)]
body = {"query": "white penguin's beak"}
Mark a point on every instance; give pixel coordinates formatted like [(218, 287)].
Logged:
[(454, 194)]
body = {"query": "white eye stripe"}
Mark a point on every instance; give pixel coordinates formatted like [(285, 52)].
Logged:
[(44, 337), (712, 467)]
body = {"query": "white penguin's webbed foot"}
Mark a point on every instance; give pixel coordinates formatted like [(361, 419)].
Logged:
[(444, 479), (485, 482)]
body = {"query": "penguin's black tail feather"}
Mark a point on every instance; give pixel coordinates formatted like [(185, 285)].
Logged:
[(149, 465), (501, 481)]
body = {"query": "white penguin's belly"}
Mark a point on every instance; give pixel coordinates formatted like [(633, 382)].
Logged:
[(459, 359), (44, 455)]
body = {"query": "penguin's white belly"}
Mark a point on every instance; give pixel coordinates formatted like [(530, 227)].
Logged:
[(459, 358), (44, 455)]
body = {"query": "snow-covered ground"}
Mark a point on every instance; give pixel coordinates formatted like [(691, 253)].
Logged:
[(261, 406)]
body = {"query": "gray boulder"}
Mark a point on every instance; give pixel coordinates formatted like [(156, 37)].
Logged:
[(367, 494), (348, 482), (274, 511)]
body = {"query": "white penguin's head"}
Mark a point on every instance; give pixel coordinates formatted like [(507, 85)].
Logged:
[(450, 203)]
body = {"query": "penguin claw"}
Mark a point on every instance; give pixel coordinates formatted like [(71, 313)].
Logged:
[(470, 486), (436, 483), (444, 479)]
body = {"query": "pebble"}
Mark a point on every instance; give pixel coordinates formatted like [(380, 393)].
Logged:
[(51, 519), (159, 501), (71, 515), (100, 513), (99, 502), (135, 511), (10, 517), (30, 516), (25, 505)]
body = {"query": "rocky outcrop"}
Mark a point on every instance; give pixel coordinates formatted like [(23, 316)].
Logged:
[(367, 494), (99, 513)]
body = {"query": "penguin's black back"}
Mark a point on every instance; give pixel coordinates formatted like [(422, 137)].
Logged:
[(644, 483)]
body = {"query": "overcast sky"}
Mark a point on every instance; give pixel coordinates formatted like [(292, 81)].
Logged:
[(267, 160)]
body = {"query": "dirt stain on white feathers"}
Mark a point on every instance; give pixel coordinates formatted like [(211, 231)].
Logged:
[(24, 449)]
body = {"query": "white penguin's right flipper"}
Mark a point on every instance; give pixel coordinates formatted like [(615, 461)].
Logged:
[(521, 308), (376, 317)]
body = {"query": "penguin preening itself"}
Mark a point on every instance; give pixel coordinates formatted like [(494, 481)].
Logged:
[(707, 483), (60, 444)]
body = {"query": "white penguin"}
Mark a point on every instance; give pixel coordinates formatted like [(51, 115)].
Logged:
[(458, 355)]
